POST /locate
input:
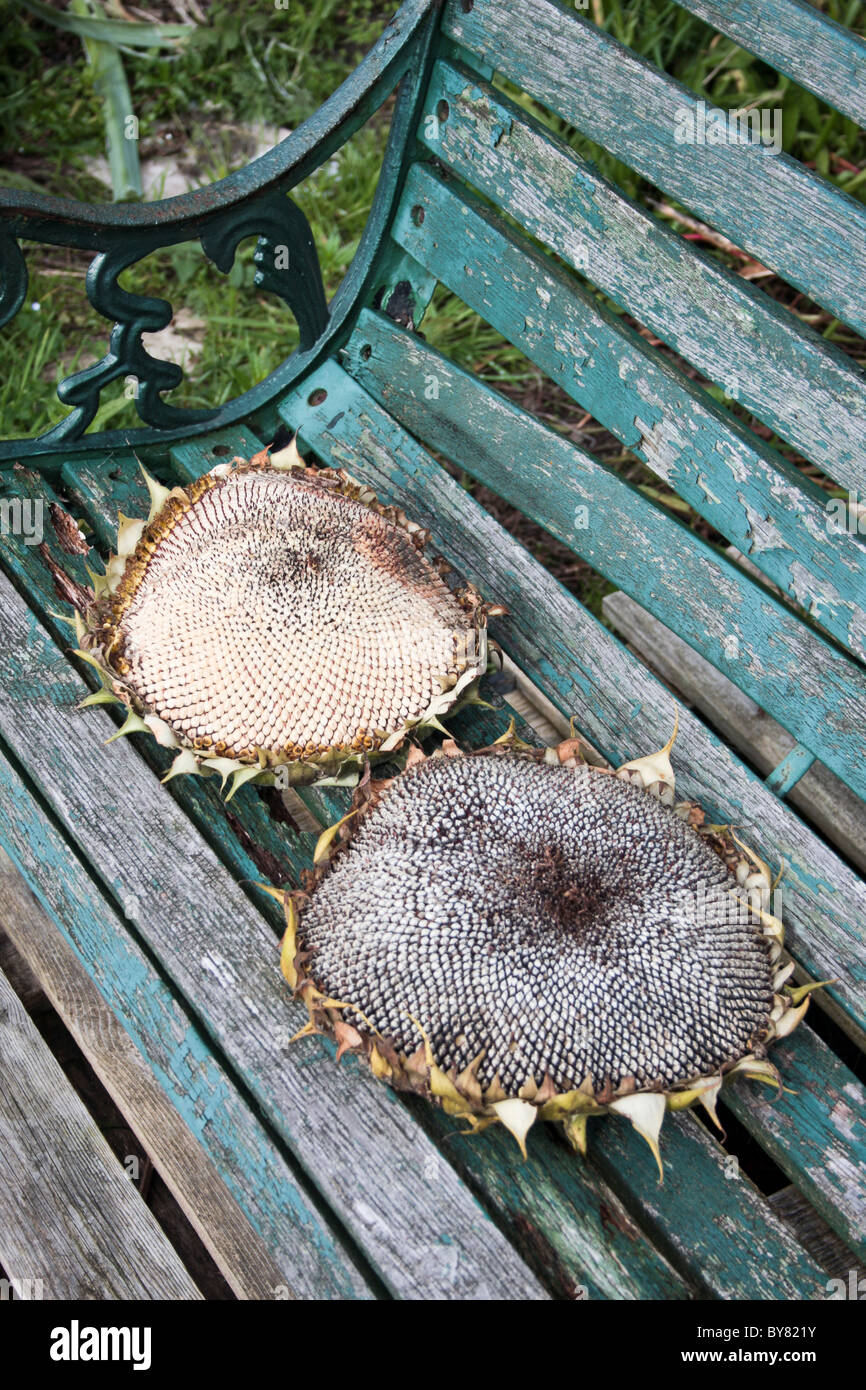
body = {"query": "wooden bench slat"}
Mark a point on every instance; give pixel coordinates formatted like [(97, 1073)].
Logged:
[(621, 708), (787, 773), (798, 40), (764, 506), (827, 1099), (812, 690), (624, 103), (69, 1215), (157, 1064), (581, 667), (806, 389), (588, 1239), (350, 1134), (697, 1215)]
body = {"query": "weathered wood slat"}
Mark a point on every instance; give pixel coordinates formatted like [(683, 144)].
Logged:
[(787, 773), (718, 1231), (798, 40), (619, 706), (625, 103), (222, 1167), (809, 391), (576, 1232), (813, 1233), (583, 1247), (746, 490), (326, 1114), (820, 796), (826, 1099), (712, 603), (69, 1215)]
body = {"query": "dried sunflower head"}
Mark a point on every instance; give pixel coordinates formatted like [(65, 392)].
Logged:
[(522, 937), (276, 619)]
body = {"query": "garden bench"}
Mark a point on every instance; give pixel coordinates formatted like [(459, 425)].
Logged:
[(143, 914)]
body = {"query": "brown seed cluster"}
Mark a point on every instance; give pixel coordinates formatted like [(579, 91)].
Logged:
[(278, 613), (562, 922)]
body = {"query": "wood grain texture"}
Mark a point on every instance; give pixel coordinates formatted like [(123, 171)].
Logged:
[(809, 391), (258, 1224), (813, 1232), (746, 490), (552, 1213), (815, 1131), (798, 40), (785, 215), (620, 707), (819, 796), (720, 1234), (351, 1135), (69, 1215), (814, 691)]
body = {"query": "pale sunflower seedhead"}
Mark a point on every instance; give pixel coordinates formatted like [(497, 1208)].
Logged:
[(273, 618), (521, 939)]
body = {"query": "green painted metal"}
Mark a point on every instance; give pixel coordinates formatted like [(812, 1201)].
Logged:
[(740, 184), (795, 38), (251, 201)]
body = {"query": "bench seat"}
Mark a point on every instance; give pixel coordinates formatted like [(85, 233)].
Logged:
[(149, 896)]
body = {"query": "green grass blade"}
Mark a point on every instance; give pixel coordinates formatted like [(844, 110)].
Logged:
[(114, 31), (121, 125)]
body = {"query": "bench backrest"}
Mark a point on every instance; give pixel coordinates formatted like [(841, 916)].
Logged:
[(777, 649)]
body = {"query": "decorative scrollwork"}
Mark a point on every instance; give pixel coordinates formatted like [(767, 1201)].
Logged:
[(288, 265), (13, 277), (133, 314), (248, 202)]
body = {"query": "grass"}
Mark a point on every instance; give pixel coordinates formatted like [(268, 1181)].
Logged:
[(267, 65)]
